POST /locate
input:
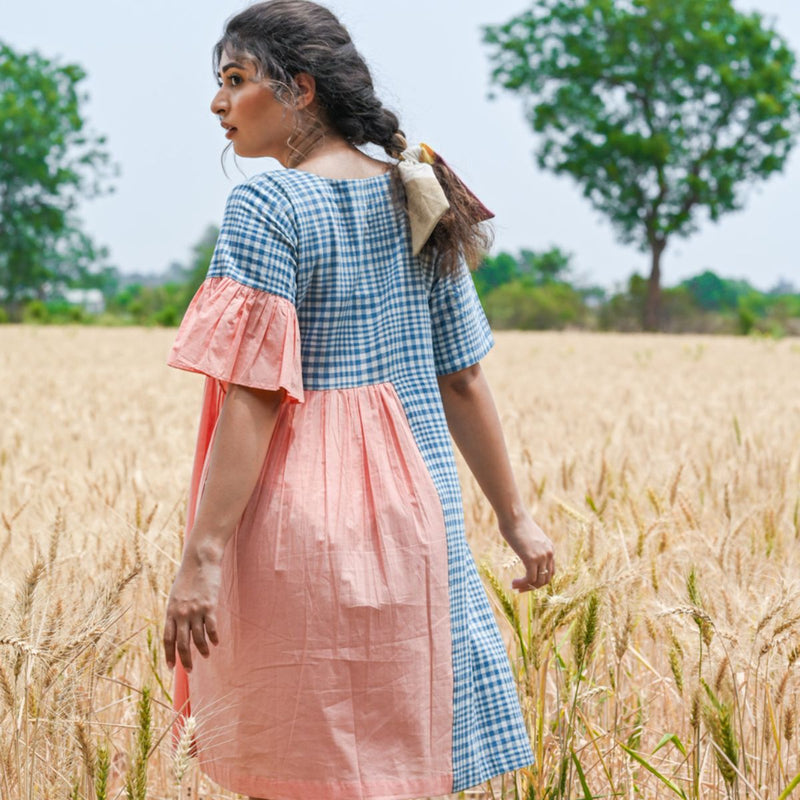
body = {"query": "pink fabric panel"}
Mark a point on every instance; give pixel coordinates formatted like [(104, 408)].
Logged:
[(333, 678), (238, 334)]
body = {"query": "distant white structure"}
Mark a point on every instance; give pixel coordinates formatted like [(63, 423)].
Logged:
[(90, 300)]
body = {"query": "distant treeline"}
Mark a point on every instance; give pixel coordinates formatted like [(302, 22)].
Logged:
[(537, 291), (527, 291)]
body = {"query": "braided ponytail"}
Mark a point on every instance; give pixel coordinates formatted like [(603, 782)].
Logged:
[(285, 37)]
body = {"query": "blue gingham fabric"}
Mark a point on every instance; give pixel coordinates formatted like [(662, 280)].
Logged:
[(370, 312)]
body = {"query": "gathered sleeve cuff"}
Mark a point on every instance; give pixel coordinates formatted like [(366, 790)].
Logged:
[(238, 334)]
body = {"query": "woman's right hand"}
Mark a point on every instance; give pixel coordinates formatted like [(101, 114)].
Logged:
[(191, 608), (241, 439), (535, 550)]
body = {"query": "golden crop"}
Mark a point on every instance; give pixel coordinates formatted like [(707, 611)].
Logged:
[(661, 661)]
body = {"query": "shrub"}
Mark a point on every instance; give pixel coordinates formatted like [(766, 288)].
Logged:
[(35, 311), (524, 307), (168, 317), (624, 311)]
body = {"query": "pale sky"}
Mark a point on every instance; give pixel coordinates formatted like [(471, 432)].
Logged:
[(150, 83)]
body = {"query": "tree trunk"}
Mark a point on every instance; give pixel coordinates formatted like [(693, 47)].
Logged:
[(652, 307)]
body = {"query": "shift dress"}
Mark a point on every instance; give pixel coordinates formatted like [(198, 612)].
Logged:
[(359, 656)]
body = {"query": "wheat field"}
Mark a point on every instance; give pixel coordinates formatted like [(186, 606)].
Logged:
[(662, 661)]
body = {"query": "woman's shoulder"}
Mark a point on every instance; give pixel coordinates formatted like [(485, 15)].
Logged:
[(265, 186), (286, 192), (267, 196)]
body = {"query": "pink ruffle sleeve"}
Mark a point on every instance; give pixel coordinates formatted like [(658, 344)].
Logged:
[(239, 334)]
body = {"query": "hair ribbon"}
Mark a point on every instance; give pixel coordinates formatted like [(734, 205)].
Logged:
[(425, 198)]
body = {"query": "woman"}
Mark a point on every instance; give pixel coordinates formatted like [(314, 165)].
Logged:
[(355, 653)]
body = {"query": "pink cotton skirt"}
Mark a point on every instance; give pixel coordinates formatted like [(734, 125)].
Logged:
[(333, 676)]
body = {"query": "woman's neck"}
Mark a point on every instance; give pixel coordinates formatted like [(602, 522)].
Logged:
[(335, 157)]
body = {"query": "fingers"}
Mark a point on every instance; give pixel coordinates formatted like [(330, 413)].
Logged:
[(199, 636), (538, 574), (182, 641), (191, 613), (545, 572), (211, 628), (169, 642), (179, 634)]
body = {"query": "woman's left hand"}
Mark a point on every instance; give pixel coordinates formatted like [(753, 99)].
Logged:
[(191, 608), (535, 551)]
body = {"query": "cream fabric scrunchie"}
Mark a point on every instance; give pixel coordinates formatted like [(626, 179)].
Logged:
[(425, 198)]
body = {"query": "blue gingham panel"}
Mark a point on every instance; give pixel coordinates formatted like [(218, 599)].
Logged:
[(489, 734), (370, 312), (461, 333), (257, 243)]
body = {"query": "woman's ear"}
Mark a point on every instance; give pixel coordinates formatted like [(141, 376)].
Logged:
[(306, 89)]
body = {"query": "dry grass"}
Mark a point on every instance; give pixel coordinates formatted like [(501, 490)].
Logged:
[(667, 470)]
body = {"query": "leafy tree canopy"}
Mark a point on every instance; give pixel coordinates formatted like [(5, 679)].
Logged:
[(48, 161), (713, 293), (532, 268), (657, 109), (549, 266)]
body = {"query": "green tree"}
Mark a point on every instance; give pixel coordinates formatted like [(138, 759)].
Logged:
[(713, 293), (495, 271), (530, 267), (48, 162), (659, 110), (549, 266)]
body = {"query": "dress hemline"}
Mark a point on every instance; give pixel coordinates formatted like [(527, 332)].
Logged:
[(328, 790)]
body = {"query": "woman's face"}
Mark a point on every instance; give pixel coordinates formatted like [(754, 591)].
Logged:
[(254, 120)]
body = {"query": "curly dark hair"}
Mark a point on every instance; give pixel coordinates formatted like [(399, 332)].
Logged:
[(282, 38)]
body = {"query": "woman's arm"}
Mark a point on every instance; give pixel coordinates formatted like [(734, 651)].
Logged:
[(241, 440), (475, 427)]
